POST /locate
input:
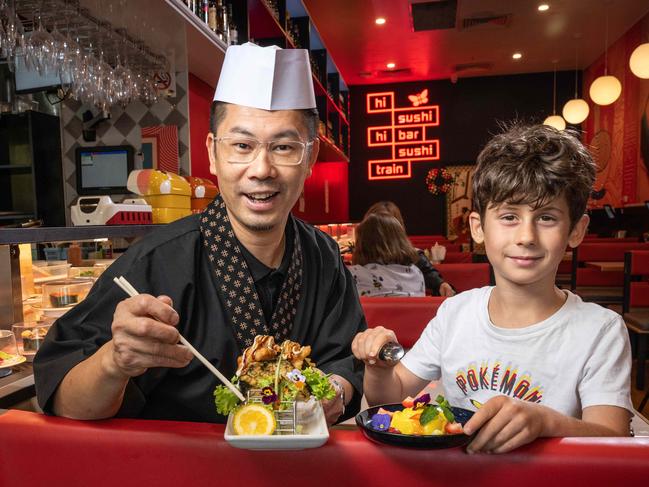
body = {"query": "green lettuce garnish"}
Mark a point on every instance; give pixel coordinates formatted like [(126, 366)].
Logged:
[(319, 384), (224, 399)]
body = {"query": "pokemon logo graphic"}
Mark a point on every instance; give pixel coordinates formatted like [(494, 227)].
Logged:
[(420, 99), (407, 132)]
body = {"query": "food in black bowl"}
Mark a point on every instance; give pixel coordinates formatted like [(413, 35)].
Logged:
[(442, 428)]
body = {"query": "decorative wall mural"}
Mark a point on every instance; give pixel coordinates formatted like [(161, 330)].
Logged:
[(618, 135), (459, 203)]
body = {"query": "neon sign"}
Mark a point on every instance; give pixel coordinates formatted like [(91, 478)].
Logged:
[(408, 135)]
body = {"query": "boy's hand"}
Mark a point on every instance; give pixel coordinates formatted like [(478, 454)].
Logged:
[(366, 345), (504, 424)]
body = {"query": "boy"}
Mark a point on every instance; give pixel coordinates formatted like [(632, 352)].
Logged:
[(539, 360)]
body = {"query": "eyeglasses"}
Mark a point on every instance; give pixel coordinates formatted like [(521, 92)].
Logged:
[(244, 150)]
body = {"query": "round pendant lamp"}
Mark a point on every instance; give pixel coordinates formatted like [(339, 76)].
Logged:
[(576, 110), (555, 120), (639, 61), (605, 89)]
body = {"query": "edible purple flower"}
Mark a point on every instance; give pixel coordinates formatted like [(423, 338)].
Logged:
[(268, 395), (381, 422), (296, 376), (421, 401)]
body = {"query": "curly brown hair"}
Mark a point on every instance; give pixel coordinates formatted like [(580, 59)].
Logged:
[(532, 165), (380, 239)]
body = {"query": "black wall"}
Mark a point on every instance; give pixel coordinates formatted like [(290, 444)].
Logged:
[(469, 112)]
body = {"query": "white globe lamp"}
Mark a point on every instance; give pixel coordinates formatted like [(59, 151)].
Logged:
[(639, 61), (605, 90), (576, 111), (555, 121)]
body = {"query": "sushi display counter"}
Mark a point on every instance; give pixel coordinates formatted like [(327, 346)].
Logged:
[(166, 453)]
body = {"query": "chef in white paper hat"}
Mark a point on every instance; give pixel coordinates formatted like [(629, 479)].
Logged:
[(243, 267), (262, 147)]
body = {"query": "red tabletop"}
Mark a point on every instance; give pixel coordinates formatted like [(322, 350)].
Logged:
[(36, 450)]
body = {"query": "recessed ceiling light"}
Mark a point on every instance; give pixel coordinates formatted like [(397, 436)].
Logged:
[(543, 7), (517, 55), (390, 65), (380, 21)]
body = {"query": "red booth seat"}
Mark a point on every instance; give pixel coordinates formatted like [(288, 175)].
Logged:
[(427, 241), (596, 239), (465, 276), (595, 277), (586, 281), (38, 450), (606, 251), (406, 316), (458, 257)]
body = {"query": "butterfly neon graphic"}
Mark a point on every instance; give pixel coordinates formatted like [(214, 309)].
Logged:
[(419, 99)]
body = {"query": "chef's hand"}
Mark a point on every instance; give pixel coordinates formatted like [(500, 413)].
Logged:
[(445, 289), (504, 424), (145, 336), (334, 408), (367, 344)]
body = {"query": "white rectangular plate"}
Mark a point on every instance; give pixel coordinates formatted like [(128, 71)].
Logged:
[(315, 434)]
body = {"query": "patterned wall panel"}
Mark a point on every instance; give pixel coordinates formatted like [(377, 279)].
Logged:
[(123, 128)]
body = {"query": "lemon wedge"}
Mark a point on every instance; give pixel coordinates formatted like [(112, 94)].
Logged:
[(253, 419)]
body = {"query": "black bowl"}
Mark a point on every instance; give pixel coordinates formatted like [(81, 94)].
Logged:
[(364, 418)]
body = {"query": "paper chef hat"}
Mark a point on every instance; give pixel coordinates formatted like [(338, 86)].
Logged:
[(269, 78)]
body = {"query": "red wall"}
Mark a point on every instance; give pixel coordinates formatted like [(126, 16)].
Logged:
[(326, 197), (200, 99), (623, 176)]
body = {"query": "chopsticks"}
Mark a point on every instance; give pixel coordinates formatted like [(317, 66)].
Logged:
[(131, 291)]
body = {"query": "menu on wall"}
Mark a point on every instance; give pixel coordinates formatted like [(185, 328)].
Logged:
[(409, 134)]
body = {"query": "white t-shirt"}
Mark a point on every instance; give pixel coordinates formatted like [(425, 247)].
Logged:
[(388, 280), (578, 357)]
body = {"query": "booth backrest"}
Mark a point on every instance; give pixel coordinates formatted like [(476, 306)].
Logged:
[(407, 317), (427, 241), (594, 277), (458, 257), (636, 280), (600, 252), (606, 252), (465, 276), (588, 239)]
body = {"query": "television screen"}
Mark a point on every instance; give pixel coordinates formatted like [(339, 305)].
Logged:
[(30, 81), (103, 170)]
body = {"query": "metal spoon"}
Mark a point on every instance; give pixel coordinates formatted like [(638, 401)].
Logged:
[(391, 352)]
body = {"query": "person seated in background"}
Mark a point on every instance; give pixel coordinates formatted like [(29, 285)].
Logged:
[(383, 262), (531, 359), (433, 279)]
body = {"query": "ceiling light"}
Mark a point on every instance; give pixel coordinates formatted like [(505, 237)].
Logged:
[(379, 21), (607, 88), (543, 7), (517, 55), (576, 110), (390, 65), (555, 120), (639, 61)]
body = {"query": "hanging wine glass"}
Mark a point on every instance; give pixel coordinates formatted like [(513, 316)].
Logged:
[(39, 48)]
